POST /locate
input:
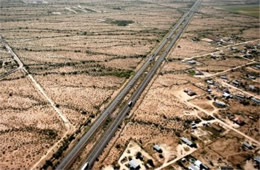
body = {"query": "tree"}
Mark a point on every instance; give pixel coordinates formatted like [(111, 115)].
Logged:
[(150, 162)]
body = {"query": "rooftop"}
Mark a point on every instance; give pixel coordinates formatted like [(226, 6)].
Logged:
[(134, 164)]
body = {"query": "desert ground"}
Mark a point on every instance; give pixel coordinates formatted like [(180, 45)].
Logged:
[(78, 55)]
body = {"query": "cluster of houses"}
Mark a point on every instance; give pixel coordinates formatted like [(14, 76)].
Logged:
[(134, 164), (191, 62), (236, 119), (227, 95), (248, 51), (217, 55), (251, 50), (224, 41), (245, 86)]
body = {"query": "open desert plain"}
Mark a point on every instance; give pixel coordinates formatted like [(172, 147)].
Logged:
[(130, 84)]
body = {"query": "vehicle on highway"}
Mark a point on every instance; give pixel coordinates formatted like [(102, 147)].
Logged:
[(85, 166), (130, 103)]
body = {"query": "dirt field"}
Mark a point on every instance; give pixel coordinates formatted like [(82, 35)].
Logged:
[(82, 53)]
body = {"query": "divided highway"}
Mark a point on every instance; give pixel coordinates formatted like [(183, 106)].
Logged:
[(98, 148), (68, 160)]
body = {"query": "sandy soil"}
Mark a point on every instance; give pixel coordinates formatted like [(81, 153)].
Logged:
[(28, 125)]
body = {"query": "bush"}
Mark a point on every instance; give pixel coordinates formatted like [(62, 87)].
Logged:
[(122, 22), (150, 162)]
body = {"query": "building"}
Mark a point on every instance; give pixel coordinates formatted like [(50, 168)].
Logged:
[(249, 46), (240, 97), (227, 95), (195, 39), (193, 125), (253, 51), (258, 46), (257, 160), (255, 100), (193, 167), (226, 168), (200, 165), (233, 48), (220, 104), (210, 82), (134, 165), (243, 51), (157, 148), (198, 73), (238, 121), (209, 91), (224, 77), (191, 62), (247, 145), (188, 142), (217, 127), (248, 55), (251, 77), (251, 87), (235, 82), (257, 66), (190, 92)]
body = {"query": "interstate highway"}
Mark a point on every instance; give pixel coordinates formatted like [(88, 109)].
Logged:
[(68, 160), (98, 148)]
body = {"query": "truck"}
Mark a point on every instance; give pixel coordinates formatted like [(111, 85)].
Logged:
[(130, 103), (85, 166)]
